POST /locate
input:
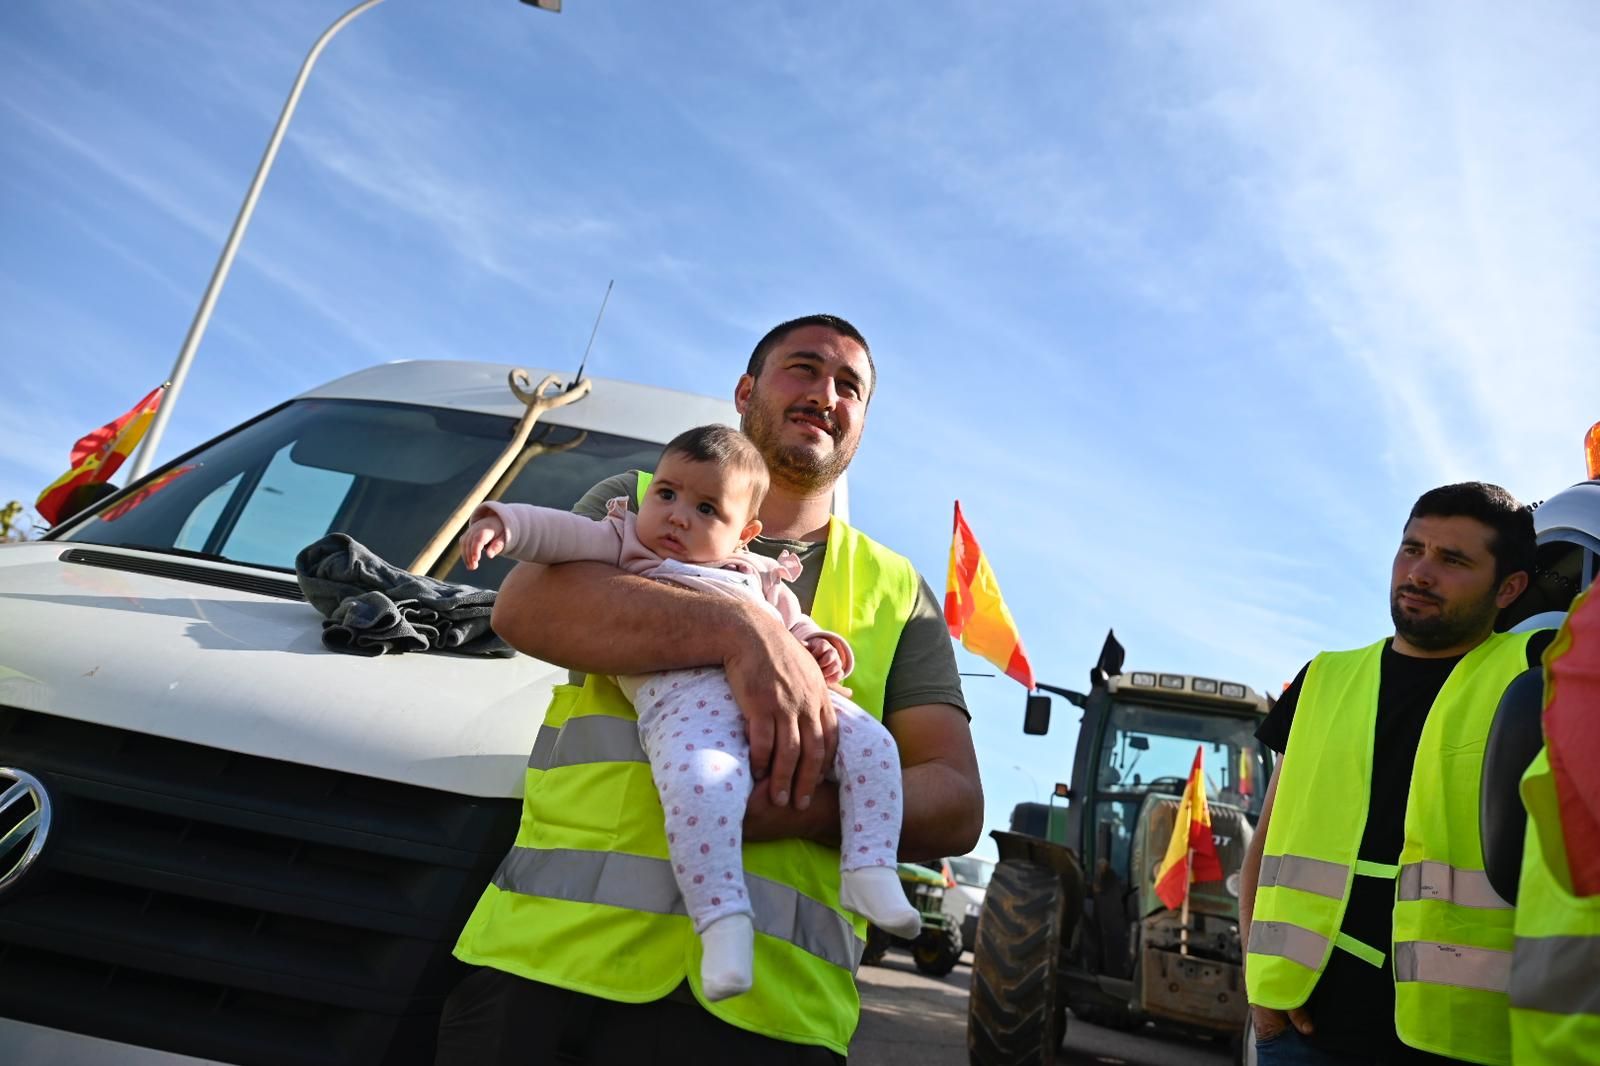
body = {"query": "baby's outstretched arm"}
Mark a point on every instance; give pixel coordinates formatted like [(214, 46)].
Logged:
[(532, 534)]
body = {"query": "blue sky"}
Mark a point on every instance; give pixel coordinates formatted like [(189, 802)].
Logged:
[(1186, 303)]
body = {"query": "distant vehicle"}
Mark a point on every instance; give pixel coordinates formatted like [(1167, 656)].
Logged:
[(967, 878), (1070, 919), (937, 946), (221, 841)]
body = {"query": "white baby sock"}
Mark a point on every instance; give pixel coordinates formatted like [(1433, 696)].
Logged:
[(874, 892), (729, 956)]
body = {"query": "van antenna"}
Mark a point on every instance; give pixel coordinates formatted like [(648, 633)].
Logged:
[(585, 361)]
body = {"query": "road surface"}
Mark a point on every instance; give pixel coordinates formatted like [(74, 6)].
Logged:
[(908, 1019)]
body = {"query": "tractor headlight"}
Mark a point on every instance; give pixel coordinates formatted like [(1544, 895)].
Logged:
[(973, 910)]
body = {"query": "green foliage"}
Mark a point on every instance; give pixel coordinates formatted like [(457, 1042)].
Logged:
[(12, 527)]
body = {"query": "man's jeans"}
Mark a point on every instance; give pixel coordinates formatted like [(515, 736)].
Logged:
[(1289, 1048)]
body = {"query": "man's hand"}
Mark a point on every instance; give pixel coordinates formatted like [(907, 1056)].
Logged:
[(1269, 1023), (788, 716)]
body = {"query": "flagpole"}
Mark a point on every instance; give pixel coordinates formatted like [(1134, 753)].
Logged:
[(1183, 934), (202, 315)]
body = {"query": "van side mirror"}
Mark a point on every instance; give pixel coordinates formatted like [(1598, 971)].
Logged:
[(1036, 719)]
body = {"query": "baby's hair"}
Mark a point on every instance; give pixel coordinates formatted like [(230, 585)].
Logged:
[(727, 448)]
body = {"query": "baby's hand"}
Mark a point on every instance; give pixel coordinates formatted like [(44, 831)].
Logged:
[(827, 656), (486, 535)]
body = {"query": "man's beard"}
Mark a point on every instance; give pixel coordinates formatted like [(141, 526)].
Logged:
[(1448, 628), (793, 465)]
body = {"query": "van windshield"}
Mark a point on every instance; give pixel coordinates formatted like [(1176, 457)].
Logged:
[(386, 474)]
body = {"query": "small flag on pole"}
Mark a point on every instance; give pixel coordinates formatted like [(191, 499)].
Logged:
[(975, 611), (98, 454), (1191, 853)]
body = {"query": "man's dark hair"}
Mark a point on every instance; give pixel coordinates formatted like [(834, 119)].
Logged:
[(1512, 540), (776, 334), (725, 447)]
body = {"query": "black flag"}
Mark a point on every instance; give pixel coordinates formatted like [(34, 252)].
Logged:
[(1110, 664)]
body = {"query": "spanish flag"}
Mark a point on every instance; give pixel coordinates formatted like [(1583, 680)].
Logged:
[(1191, 853), (98, 454), (974, 610)]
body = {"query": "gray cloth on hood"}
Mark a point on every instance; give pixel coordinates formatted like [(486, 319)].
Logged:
[(371, 607)]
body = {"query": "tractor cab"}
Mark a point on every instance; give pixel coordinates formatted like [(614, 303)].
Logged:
[(1084, 868)]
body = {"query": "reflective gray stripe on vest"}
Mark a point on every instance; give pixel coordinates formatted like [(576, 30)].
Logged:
[(1293, 942), (1441, 881), (1556, 974), (1317, 876), (587, 739), (643, 884), (1455, 965)]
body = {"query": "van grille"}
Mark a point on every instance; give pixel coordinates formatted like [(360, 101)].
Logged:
[(238, 908)]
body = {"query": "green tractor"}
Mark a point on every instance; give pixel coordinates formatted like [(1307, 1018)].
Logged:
[(937, 947), (1071, 921)]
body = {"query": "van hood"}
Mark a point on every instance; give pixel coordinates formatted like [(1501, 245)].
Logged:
[(247, 672)]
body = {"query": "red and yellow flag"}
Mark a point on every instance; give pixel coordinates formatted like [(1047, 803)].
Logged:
[(975, 611), (98, 454), (1191, 853)]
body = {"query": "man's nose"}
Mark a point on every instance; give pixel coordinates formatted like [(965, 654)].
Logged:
[(823, 391), (1421, 573)]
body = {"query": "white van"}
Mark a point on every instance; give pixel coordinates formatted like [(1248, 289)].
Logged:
[(219, 839)]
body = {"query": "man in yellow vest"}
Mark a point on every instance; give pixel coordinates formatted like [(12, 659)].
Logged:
[(1372, 933), (1555, 969), (584, 952)]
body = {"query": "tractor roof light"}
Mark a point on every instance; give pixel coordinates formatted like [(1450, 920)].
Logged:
[(1173, 681), (1145, 680), (1204, 685), (1233, 691)]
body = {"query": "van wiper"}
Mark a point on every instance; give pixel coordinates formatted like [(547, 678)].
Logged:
[(187, 553)]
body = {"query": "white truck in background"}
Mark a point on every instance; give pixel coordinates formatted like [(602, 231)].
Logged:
[(221, 841)]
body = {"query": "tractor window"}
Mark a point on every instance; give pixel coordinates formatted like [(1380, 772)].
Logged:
[(1149, 749)]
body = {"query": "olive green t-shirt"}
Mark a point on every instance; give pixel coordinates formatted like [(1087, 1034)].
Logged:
[(924, 666)]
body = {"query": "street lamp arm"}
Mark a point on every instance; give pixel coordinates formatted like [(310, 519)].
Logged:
[(202, 315)]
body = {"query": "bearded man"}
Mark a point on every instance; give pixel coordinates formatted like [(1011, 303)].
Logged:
[(583, 949), (1372, 934)]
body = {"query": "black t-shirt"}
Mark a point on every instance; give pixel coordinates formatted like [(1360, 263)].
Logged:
[(1353, 1000)]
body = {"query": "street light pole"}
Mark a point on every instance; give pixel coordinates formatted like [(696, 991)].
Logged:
[(197, 328)]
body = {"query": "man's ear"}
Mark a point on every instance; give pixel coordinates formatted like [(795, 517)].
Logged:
[(741, 392), (1512, 587), (750, 532)]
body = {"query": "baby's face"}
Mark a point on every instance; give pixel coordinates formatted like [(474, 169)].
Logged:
[(696, 512)]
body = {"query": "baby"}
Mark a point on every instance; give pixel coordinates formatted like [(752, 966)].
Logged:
[(697, 515)]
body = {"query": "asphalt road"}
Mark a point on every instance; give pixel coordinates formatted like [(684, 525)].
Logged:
[(908, 1019)]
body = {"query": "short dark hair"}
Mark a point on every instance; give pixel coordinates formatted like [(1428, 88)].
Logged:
[(776, 334), (1512, 540), (725, 447)]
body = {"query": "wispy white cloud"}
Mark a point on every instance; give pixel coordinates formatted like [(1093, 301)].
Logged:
[(1427, 174)]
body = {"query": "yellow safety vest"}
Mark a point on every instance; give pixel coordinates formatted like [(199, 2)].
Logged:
[(1452, 932), (586, 899), (1555, 968)]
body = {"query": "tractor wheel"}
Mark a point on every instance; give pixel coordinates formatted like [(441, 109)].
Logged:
[(937, 951), (1012, 1016), (877, 946)]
